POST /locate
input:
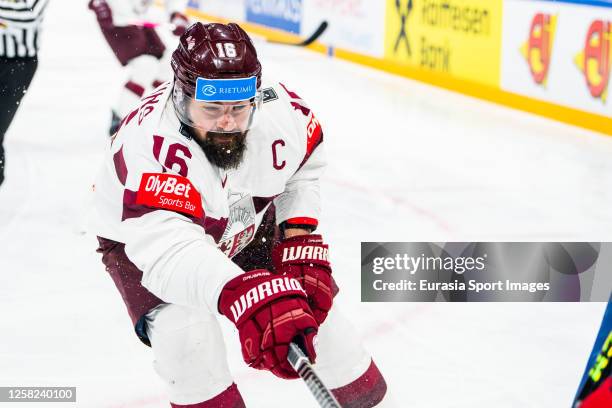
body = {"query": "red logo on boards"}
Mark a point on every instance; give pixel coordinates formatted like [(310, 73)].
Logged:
[(538, 48), (169, 192), (594, 59)]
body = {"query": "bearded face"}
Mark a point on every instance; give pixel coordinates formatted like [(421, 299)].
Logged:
[(220, 128), (224, 150)]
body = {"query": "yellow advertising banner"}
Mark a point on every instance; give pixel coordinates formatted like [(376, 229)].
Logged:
[(459, 37)]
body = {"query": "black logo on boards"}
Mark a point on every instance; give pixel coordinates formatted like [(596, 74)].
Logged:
[(269, 95), (403, 8)]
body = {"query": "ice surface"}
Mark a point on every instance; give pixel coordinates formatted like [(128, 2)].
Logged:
[(407, 162)]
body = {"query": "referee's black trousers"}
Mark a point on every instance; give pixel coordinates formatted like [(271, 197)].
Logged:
[(15, 77)]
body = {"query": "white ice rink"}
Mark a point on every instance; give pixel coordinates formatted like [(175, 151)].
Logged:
[(408, 162)]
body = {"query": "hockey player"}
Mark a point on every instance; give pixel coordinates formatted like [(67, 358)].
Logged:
[(136, 45), (206, 207)]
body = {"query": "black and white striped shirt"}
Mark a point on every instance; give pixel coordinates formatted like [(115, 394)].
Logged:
[(20, 22)]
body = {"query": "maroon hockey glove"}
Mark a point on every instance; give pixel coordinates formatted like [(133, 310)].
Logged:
[(305, 257), (269, 311), (180, 22), (103, 13)]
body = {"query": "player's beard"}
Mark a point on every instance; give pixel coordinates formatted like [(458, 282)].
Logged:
[(224, 150)]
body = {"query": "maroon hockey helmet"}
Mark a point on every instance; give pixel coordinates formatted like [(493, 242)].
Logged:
[(203, 52), (216, 65)]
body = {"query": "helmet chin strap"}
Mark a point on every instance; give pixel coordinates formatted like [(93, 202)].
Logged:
[(187, 131)]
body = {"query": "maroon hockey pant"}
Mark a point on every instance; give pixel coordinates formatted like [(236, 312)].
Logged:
[(133, 41)]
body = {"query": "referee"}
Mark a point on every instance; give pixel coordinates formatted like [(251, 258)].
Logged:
[(20, 22)]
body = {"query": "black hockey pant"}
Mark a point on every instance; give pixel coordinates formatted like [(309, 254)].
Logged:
[(15, 77)]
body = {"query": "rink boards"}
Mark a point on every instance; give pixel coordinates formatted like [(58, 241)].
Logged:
[(551, 58)]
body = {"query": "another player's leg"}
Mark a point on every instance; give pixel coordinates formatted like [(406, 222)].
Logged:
[(190, 358), (163, 71), (346, 367), (137, 48), (15, 77), (145, 73), (140, 78)]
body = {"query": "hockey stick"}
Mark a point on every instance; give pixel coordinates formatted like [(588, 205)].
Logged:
[(301, 364), (305, 43)]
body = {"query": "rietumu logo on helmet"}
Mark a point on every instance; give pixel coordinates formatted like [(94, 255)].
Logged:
[(225, 90), (209, 90)]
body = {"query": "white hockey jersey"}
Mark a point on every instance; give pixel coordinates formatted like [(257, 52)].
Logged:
[(180, 217), (127, 12)]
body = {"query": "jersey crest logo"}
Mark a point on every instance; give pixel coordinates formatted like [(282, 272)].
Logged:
[(170, 192), (240, 229)]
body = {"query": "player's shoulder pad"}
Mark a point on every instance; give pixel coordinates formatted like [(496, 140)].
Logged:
[(308, 125)]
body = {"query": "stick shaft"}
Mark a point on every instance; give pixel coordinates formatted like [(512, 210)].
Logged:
[(302, 366), (306, 42)]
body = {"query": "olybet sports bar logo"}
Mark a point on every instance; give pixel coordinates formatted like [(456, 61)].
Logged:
[(594, 60), (169, 192), (538, 48)]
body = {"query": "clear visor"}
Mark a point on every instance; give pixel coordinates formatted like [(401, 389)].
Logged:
[(221, 117)]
